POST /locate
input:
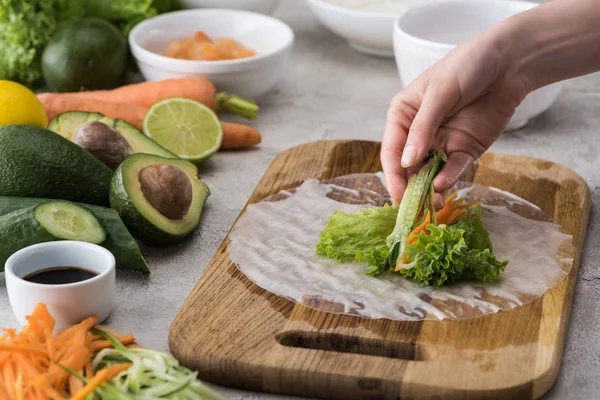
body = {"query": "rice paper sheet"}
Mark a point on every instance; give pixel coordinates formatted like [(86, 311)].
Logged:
[(273, 244)]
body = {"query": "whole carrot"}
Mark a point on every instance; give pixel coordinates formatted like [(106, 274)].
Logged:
[(56, 104), (239, 136), (235, 136), (148, 93)]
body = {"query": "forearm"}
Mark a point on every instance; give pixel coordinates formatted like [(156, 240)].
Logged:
[(555, 41)]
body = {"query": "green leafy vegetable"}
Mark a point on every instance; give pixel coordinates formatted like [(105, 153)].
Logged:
[(418, 189), (435, 254), (126, 13), (359, 237), (451, 253)]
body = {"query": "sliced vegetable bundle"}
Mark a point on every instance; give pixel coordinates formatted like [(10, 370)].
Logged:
[(432, 248)]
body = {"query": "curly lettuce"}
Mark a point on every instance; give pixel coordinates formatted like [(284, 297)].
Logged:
[(440, 255), (359, 237), (450, 253)]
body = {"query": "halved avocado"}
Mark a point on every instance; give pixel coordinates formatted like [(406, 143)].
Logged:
[(139, 142), (159, 199), (66, 124)]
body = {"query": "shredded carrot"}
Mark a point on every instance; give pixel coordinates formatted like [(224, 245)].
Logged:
[(101, 377), (32, 361), (452, 212), (105, 344)]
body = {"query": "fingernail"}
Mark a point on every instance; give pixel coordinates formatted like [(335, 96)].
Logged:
[(409, 156)]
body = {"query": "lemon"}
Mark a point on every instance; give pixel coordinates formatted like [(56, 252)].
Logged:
[(18, 105), (185, 127)]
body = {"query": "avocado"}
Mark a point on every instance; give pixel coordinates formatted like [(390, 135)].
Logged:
[(36, 162), (159, 199), (139, 142), (88, 54), (67, 125)]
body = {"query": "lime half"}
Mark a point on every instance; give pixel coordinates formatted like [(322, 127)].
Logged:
[(185, 127)]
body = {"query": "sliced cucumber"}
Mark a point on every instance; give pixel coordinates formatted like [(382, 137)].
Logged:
[(69, 221), (118, 239), (47, 222)]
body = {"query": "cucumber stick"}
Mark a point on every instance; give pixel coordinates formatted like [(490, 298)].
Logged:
[(46, 222), (118, 239), (418, 189)]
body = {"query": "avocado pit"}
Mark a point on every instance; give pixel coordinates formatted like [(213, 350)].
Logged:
[(104, 142), (167, 188)]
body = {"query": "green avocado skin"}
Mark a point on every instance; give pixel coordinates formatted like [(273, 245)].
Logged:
[(139, 226), (36, 162), (89, 54)]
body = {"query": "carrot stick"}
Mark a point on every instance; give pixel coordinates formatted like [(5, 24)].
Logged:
[(105, 344), (238, 136), (147, 93), (451, 213), (23, 348), (101, 377), (56, 104), (89, 371)]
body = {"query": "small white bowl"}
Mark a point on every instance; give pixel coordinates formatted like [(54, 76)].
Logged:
[(271, 40), (366, 31), (69, 303), (425, 35), (259, 6)]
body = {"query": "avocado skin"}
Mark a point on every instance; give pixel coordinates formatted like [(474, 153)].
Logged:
[(88, 54), (139, 226), (36, 162)]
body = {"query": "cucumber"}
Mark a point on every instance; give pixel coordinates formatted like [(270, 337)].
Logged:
[(118, 239), (46, 222)]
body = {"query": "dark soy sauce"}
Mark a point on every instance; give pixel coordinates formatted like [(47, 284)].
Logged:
[(60, 275)]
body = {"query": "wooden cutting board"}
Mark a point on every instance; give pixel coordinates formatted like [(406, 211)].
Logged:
[(237, 334)]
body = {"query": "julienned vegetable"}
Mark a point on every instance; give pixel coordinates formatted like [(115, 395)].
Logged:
[(428, 247), (419, 187), (83, 360), (152, 374)]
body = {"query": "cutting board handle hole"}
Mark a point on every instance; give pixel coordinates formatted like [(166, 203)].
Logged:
[(355, 345)]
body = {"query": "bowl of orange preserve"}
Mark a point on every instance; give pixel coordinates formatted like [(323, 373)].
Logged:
[(242, 52)]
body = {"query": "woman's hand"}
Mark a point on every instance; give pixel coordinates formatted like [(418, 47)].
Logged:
[(463, 103)]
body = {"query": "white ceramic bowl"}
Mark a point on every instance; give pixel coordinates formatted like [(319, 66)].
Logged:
[(366, 31), (271, 39), (259, 6), (425, 35), (69, 303)]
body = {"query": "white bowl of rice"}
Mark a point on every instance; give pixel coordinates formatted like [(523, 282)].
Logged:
[(367, 25)]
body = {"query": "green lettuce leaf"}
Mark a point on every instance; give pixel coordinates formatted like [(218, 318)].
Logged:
[(126, 13), (359, 237), (447, 254)]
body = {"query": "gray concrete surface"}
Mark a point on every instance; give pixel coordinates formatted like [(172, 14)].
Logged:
[(331, 92)]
